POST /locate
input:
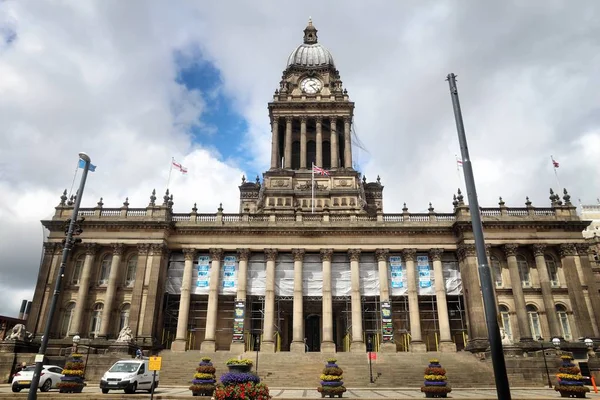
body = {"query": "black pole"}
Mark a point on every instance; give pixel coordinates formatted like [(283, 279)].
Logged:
[(39, 358), (153, 383), (370, 349), (546, 365), (257, 348), (485, 276), (87, 357)]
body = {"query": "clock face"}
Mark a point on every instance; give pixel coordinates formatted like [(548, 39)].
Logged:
[(311, 85)]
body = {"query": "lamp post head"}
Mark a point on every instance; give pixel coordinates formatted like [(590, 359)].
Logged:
[(76, 339), (84, 157), (589, 342), (556, 342)]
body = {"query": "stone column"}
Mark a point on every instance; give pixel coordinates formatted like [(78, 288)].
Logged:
[(334, 144), (180, 342), (576, 295), (584, 250), (242, 284), (275, 160), (319, 136), (152, 300), (478, 337), (109, 299), (268, 344), (540, 263), (84, 288), (384, 290), (446, 343), (213, 301), (347, 144), (135, 312), (288, 143), (43, 289), (416, 343), (517, 288), (297, 345), (303, 142), (358, 344), (327, 344)]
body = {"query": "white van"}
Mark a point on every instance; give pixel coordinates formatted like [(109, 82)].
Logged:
[(128, 375)]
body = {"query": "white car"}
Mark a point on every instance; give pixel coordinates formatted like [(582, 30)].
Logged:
[(128, 375), (49, 377)]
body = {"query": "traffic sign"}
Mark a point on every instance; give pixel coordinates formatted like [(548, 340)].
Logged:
[(154, 363)]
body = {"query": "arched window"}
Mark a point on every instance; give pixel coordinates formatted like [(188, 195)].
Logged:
[(67, 319), (552, 270), (524, 271), (124, 317), (563, 318), (534, 321), (96, 320), (496, 271), (505, 315), (77, 267), (130, 273), (104, 269)]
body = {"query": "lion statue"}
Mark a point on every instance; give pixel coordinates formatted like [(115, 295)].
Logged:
[(19, 333), (125, 336)]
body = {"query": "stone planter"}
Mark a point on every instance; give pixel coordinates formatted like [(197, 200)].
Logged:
[(436, 395), (239, 368), (564, 393)]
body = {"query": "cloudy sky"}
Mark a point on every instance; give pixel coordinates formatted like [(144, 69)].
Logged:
[(135, 83)]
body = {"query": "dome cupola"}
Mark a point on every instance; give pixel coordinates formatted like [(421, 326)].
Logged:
[(310, 54)]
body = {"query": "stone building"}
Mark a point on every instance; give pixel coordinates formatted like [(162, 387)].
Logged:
[(310, 261)]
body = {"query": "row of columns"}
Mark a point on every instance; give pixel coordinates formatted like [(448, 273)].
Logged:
[(328, 344), (333, 139), (571, 256)]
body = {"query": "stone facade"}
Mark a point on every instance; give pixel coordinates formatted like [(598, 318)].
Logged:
[(124, 271)]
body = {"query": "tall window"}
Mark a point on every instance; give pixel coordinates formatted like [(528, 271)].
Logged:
[(130, 273), (67, 319), (96, 320), (552, 270), (497, 271), (505, 315), (563, 318), (524, 271), (104, 269), (124, 318), (77, 267), (534, 321)]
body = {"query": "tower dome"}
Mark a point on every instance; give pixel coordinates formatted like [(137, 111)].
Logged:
[(310, 54)]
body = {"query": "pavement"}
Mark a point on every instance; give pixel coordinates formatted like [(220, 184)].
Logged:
[(178, 392)]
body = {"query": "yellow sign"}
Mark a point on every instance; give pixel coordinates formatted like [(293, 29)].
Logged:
[(154, 363)]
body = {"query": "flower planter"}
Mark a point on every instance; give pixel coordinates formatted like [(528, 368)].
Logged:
[(239, 368), (570, 381), (331, 380), (435, 385), (204, 381)]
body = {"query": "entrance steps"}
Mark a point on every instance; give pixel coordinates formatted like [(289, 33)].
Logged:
[(287, 369)]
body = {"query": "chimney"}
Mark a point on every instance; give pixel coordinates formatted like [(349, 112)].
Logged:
[(27, 310), (22, 310)]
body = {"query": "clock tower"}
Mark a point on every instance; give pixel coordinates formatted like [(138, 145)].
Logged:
[(311, 126)]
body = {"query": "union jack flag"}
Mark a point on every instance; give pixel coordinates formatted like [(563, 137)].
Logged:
[(320, 170)]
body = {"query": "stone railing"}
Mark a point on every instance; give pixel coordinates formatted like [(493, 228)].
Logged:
[(165, 214)]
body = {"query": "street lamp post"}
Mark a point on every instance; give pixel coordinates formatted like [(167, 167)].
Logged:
[(257, 348), (76, 340), (545, 362), (370, 350), (39, 358), (589, 343)]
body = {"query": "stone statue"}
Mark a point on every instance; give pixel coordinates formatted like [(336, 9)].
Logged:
[(505, 339), (125, 336), (19, 333)]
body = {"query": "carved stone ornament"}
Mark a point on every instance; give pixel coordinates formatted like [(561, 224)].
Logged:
[(487, 250), (539, 249), (143, 249), (271, 254), (510, 249), (382, 254), (90, 249), (342, 182), (58, 248), (280, 183), (19, 333), (188, 254), (409, 254), (157, 249), (436, 254), (583, 249), (243, 254), (215, 254), (298, 254), (303, 185), (118, 249), (466, 250), (326, 254), (567, 249), (125, 336), (49, 248), (354, 254)]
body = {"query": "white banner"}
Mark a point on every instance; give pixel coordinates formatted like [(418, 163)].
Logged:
[(424, 274), (229, 275), (202, 275)]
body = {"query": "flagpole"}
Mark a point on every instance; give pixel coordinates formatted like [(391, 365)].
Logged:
[(170, 169), (458, 172), (555, 173), (312, 196)]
